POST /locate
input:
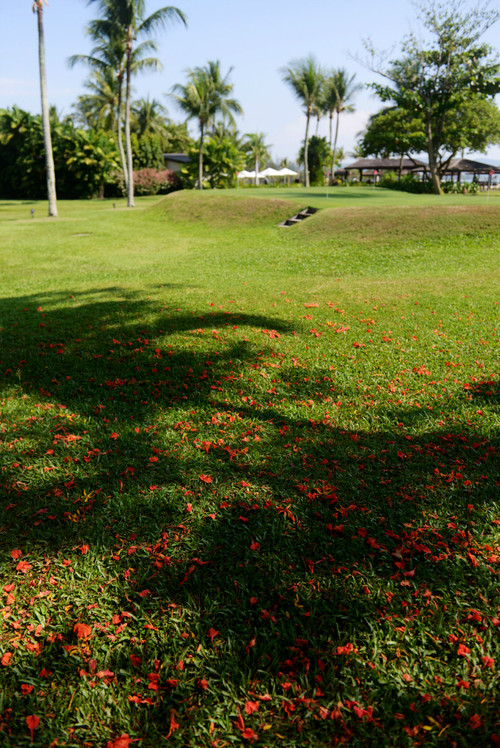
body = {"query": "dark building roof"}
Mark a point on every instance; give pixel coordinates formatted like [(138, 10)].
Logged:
[(181, 158), (470, 166), (387, 164)]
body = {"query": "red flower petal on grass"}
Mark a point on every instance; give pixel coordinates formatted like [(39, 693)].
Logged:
[(206, 478), (16, 553), (82, 630), (174, 725), (6, 659), (249, 734), (463, 650), (32, 721), (212, 633), (23, 566), (251, 707), (122, 742)]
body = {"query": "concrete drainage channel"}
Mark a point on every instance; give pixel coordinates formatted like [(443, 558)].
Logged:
[(298, 217)]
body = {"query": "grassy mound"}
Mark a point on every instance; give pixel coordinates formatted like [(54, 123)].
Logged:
[(222, 209), (401, 223)]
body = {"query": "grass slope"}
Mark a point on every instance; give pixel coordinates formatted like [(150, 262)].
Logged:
[(249, 475)]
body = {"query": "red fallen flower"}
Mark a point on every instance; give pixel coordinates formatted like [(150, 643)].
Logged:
[(212, 633), (114, 435), (488, 661), (206, 478), (249, 734), (16, 553), (32, 721), (6, 659), (251, 707), (82, 630), (463, 650), (122, 742), (345, 650), (475, 721), (174, 725), (26, 688), (23, 566)]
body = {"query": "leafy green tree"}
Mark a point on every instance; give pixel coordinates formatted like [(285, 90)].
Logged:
[(393, 132), (47, 140), (149, 117), (107, 62), (84, 161), (98, 109), (305, 78), (205, 95), (319, 158), (257, 150), (339, 90), (222, 159), (123, 22), (436, 79)]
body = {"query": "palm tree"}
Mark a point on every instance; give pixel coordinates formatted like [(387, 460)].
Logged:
[(257, 148), (106, 61), (98, 109), (49, 158), (339, 91), (203, 97), (125, 21), (150, 117), (305, 78)]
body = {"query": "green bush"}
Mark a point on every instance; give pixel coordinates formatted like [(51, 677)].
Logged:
[(147, 182), (407, 183)]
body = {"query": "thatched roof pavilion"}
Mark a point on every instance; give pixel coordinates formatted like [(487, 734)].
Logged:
[(372, 165), (468, 166)]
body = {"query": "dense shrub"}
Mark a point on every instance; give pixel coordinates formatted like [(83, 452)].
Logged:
[(461, 188), (148, 182), (407, 183)]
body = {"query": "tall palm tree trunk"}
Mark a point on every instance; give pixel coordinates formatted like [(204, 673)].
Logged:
[(331, 140), (200, 156), (306, 149), (334, 154), (256, 171), (119, 130), (49, 157), (128, 144)]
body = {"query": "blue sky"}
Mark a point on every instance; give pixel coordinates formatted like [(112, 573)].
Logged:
[(256, 38)]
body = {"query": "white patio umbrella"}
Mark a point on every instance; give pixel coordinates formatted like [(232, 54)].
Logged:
[(245, 174), (286, 172), (269, 172)]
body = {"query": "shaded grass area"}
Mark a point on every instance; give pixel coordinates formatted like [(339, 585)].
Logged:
[(246, 502)]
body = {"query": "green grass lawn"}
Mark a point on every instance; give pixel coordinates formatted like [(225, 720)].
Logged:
[(250, 475)]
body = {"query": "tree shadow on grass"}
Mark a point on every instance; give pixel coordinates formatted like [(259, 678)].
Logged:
[(210, 509)]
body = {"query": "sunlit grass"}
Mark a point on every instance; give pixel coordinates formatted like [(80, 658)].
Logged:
[(250, 474)]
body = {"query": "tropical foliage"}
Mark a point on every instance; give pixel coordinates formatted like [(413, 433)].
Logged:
[(305, 78), (319, 159), (204, 96), (438, 80), (85, 160), (122, 23)]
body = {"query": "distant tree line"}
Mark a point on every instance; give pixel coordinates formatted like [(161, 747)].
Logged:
[(438, 96)]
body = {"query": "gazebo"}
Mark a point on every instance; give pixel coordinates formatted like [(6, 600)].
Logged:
[(459, 166), (373, 166)]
